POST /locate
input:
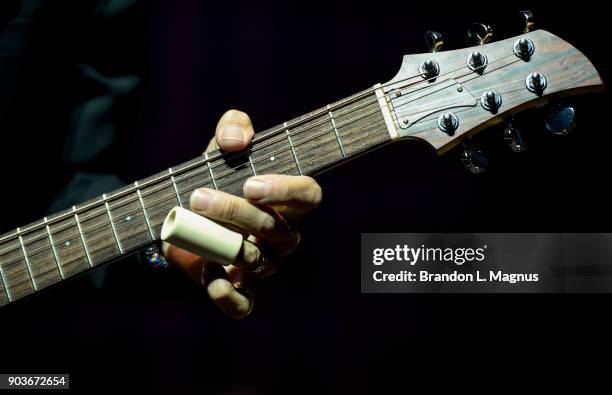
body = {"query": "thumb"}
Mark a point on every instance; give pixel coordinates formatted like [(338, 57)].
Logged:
[(234, 131)]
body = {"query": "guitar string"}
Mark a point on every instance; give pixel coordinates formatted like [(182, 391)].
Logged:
[(157, 209), (279, 150), (101, 212), (322, 113), (106, 222), (282, 138), (269, 133)]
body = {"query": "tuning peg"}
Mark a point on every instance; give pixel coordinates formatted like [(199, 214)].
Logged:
[(474, 159), (434, 41), (512, 137), (527, 20), (479, 34), (560, 120)]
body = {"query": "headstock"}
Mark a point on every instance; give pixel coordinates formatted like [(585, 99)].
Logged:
[(445, 97)]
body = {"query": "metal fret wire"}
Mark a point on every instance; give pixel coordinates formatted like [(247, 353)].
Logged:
[(262, 136), (265, 139), (152, 209), (159, 208)]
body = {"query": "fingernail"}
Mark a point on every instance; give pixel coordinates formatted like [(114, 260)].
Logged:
[(233, 133), (201, 199), (256, 188)]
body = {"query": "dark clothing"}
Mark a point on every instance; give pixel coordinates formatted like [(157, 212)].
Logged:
[(71, 77)]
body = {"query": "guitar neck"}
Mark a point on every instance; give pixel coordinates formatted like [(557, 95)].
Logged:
[(105, 228)]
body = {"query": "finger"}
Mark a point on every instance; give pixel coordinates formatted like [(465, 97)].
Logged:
[(223, 293), (218, 282), (189, 263), (300, 192), (260, 221), (256, 262), (234, 131)]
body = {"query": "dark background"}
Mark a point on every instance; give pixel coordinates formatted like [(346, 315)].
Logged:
[(312, 331)]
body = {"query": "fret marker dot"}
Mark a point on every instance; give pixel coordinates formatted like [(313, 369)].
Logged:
[(67, 243), (272, 159), (128, 218)]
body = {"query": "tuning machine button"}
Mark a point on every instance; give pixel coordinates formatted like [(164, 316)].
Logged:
[(477, 61), (434, 41), (429, 68), (491, 101), (561, 120), (527, 20), (536, 83), (448, 123), (479, 34), (474, 159), (524, 48), (512, 137)]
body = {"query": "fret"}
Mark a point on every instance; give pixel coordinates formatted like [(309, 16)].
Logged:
[(42, 262), (69, 243), (97, 231), (17, 281), (273, 155), (333, 122), (314, 142), (112, 223), (59, 269), (158, 200), (361, 125), (129, 219), (187, 182), (212, 176), (144, 210), (178, 197), (76, 218), (4, 297), (25, 257), (252, 166), (297, 163), (231, 171)]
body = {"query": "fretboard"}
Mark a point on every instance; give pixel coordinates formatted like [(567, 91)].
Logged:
[(103, 229)]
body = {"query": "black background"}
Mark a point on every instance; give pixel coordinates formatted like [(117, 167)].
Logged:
[(312, 330)]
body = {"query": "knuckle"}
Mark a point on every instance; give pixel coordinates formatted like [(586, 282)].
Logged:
[(226, 209), (264, 223), (253, 256)]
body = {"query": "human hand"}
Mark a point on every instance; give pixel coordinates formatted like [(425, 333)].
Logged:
[(265, 216)]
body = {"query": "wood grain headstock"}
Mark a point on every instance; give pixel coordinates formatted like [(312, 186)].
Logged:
[(444, 97)]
